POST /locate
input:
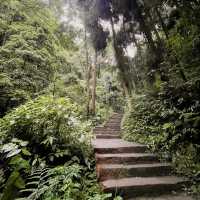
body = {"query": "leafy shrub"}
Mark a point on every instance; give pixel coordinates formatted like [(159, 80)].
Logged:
[(70, 181), (52, 126), (142, 122), (168, 123), (73, 182), (15, 158), (55, 131), (183, 44)]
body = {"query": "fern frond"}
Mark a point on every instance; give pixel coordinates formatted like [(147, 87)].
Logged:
[(36, 184)]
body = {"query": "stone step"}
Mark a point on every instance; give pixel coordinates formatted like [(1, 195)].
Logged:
[(107, 131), (117, 117), (117, 171), (112, 127), (126, 158), (180, 195), (99, 128), (125, 169), (111, 124), (117, 146), (143, 186), (107, 136), (114, 121), (104, 128)]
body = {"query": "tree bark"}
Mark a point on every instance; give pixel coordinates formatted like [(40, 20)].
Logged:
[(153, 25), (86, 50), (120, 62), (94, 83), (87, 71), (88, 90), (162, 22)]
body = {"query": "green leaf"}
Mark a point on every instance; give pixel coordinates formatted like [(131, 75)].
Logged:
[(26, 152), (167, 125), (20, 183), (12, 153), (19, 163), (8, 192), (9, 147)]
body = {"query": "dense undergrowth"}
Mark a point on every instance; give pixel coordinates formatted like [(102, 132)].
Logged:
[(169, 124), (52, 134), (31, 51), (164, 112)]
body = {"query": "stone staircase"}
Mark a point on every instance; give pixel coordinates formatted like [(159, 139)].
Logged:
[(126, 168)]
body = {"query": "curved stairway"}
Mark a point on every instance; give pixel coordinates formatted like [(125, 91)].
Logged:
[(125, 168)]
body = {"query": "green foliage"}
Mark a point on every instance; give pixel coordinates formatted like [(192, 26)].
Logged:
[(51, 125), (169, 124), (36, 185), (71, 86), (141, 121), (31, 50), (70, 181), (15, 147), (57, 132), (15, 155), (110, 97), (185, 47)]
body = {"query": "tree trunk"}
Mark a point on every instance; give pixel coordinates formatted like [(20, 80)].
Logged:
[(153, 25), (135, 42), (94, 83), (87, 71), (88, 90), (86, 50), (162, 22), (120, 62)]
